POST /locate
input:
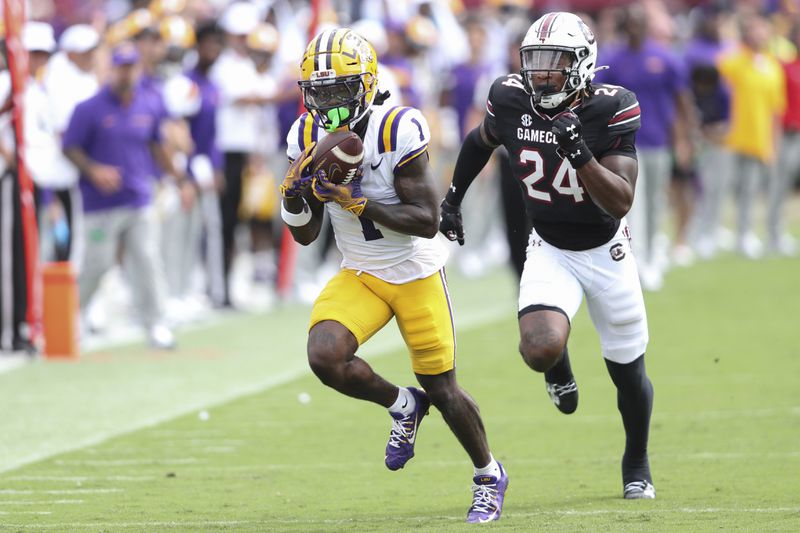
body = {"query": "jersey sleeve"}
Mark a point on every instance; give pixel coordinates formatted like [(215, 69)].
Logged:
[(403, 135), (493, 99), (627, 116), (303, 132), (622, 126)]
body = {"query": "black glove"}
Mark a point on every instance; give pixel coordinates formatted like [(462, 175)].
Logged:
[(567, 129), (450, 224)]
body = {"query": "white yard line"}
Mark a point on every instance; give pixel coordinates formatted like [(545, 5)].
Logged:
[(373, 521), (80, 479), (41, 502), (128, 462), (61, 491)]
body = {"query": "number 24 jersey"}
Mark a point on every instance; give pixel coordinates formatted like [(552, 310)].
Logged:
[(561, 210)]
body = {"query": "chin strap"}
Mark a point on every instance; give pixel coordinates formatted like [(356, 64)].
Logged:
[(336, 117)]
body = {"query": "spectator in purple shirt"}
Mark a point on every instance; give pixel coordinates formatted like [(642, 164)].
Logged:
[(659, 80), (463, 79), (112, 139)]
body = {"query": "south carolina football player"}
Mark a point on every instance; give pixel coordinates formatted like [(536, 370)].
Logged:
[(385, 225), (571, 145)]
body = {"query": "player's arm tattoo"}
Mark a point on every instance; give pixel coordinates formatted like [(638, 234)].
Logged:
[(611, 183), (418, 212)]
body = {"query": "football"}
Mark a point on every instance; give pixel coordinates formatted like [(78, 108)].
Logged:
[(340, 155)]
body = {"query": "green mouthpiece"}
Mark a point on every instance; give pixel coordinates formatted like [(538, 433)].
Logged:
[(336, 116)]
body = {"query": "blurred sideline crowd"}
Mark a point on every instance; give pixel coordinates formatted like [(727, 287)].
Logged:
[(155, 133)]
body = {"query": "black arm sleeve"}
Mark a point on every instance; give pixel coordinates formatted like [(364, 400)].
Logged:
[(474, 155)]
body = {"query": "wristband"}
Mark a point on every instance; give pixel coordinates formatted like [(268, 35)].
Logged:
[(452, 199), (578, 154), (296, 220)]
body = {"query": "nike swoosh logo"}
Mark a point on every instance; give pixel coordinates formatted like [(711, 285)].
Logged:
[(404, 403), (414, 436), (375, 167)]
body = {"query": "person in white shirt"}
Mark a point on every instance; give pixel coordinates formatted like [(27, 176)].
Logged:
[(237, 118), (68, 79)]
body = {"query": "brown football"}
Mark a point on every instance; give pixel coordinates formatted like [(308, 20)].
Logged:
[(340, 155)]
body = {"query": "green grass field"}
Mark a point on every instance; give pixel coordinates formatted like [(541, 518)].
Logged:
[(114, 443)]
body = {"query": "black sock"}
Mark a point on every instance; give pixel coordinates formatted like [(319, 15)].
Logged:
[(561, 372), (635, 403)]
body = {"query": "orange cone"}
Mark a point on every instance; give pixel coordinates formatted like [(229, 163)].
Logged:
[(60, 316)]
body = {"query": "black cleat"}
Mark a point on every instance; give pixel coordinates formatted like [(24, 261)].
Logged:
[(561, 385), (565, 397)]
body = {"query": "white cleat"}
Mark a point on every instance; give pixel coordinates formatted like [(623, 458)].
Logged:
[(639, 490)]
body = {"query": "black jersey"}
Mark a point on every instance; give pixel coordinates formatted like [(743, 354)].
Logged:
[(561, 210)]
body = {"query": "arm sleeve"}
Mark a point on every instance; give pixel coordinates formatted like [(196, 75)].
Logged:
[(472, 158)]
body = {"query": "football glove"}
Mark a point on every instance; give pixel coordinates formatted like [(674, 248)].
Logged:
[(567, 129), (450, 223), (349, 197), (298, 176)]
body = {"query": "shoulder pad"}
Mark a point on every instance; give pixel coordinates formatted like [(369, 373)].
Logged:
[(397, 125), (627, 114), (615, 106), (302, 133)]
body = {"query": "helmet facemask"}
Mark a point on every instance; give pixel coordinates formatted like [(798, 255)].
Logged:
[(542, 71), (336, 102)]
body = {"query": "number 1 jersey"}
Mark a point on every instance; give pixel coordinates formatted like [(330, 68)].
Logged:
[(394, 137), (560, 208)]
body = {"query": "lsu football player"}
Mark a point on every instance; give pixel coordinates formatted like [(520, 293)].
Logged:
[(572, 149), (385, 223)]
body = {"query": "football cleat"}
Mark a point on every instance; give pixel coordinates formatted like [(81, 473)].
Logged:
[(487, 497), (400, 448), (565, 397), (639, 490)]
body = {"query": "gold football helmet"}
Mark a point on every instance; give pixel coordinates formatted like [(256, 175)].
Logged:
[(339, 78)]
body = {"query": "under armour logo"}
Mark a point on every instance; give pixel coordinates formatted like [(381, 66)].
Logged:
[(452, 188), (573, 136), (571, 127), (575, 154), (536, 242)]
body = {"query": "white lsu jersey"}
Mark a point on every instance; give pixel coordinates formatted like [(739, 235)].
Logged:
[(394, 137)]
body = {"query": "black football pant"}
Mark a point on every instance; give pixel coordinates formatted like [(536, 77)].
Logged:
[(229, 200), (13, 286)]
